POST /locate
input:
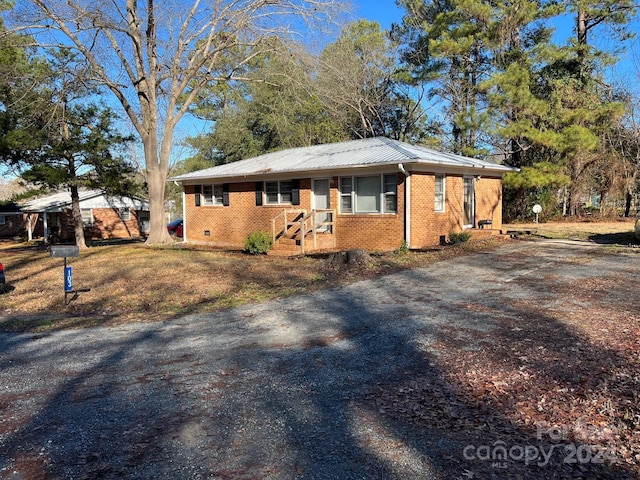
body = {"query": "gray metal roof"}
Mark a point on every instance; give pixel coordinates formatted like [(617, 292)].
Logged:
[(56, 202), (368, 152)]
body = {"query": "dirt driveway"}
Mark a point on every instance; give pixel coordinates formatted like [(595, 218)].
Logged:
[(418, 374)]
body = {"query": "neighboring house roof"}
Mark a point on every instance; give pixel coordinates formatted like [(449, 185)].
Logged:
[(369, 152), (56, 202)]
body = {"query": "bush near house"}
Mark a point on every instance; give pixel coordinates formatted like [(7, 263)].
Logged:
[(459, 237), (257, 243)]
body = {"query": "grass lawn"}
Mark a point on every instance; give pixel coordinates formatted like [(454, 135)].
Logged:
[(618, 231), (133, 282)]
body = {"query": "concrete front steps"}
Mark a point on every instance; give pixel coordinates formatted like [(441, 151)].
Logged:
[(285, 247)]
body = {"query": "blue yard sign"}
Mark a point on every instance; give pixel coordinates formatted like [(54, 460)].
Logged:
[(68, 284)]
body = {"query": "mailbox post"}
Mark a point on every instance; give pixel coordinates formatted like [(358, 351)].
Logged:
[(64, 251)]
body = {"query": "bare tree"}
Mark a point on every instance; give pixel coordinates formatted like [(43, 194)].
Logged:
[(156, 57), (355, 78)]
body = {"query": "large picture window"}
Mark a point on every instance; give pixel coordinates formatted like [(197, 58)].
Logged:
[(369, 194)]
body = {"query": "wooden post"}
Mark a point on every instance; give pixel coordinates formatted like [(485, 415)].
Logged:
[(273, 231), (285, 227), (313, 229), (333, 228)]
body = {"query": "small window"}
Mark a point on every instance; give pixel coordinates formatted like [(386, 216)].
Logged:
[(87, 217), (390, 193), (278, 192), (439, 193), (3, 220), (346, 195), (125, 214), (286, 189), (212, 195)]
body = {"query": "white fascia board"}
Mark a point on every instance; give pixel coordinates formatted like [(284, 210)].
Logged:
[(374, 169), (460, 170)]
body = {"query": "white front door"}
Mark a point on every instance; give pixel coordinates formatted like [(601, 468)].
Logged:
[(468, 202), (322, 201)]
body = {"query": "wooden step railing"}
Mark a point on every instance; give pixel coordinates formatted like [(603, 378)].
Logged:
[(282, 223), (303, 224)]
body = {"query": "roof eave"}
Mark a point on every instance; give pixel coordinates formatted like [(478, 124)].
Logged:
[(498, 169), (287, 172)]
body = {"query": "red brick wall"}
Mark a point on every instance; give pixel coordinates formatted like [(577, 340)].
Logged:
[(13, 226), (106, 224), (382, 232), (489, 201), (427, 225), (229, 226)]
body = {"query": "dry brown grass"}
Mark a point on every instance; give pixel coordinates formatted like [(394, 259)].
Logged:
[(133, 283), (613, 231)]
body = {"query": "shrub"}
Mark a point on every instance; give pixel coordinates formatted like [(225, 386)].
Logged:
[(257, 243), (460, 237), (403, 249)]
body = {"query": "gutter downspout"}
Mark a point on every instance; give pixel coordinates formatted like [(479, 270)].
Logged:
[(184, 213), (45, 226), (407, 204), (29, 228)]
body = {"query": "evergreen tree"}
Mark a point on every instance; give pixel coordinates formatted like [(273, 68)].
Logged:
[(59, 139), (446, 47)]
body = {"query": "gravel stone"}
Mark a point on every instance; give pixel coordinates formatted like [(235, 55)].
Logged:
[(275, 390)]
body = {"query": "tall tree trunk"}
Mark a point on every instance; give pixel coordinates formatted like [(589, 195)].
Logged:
[(627, 204), (156, 182), (78, 228)]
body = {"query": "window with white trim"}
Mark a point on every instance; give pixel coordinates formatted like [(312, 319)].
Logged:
[(346, 194), (87, 217), (278, 192), (125, 213), (212, 195), (369, 194), (390, 193), (439, 193), (3, 220)]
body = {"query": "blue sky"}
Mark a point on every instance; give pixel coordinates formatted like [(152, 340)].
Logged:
[(383, 11)]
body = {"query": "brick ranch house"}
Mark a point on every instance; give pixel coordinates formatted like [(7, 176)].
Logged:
[(103, 216), (11, 220), (371, 194)]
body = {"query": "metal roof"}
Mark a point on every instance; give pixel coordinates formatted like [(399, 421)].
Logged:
[(56, 202), (367, 152)]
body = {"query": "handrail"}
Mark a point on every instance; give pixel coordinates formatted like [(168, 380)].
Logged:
[(286, 224), (302, 221)]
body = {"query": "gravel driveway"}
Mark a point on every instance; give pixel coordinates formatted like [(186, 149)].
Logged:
[(279, 390)]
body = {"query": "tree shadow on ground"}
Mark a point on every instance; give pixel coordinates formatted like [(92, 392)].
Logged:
[(622, 238), (367, 381)]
